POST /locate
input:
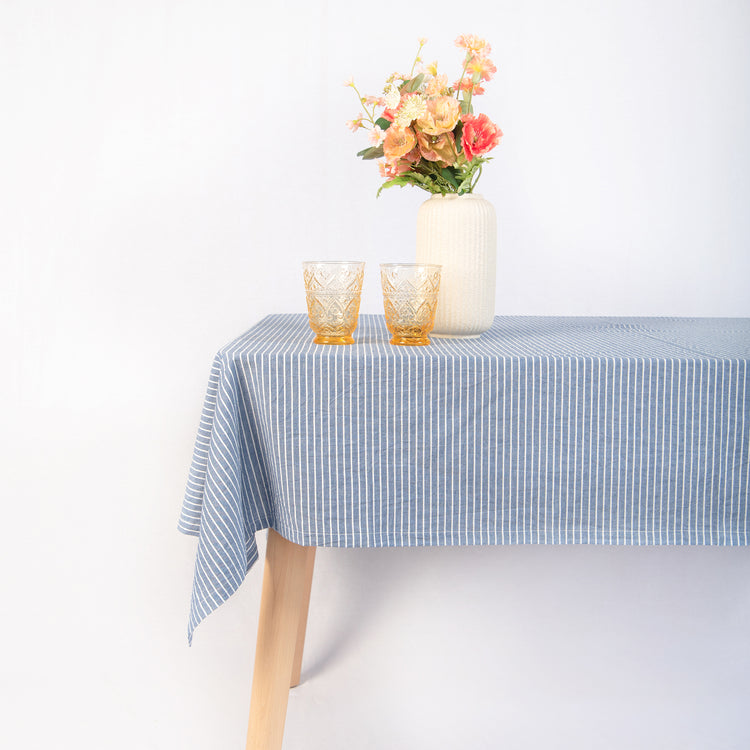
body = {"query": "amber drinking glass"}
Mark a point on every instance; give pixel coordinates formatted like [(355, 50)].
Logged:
[(333, 290), (410, 292)]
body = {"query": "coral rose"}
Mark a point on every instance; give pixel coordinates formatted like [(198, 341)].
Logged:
[(441, 116), (480, 135), (398, 142)]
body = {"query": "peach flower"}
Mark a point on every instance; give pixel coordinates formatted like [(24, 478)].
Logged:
[(398, 142), (376, 136), (467, 84), (355, 124), (482, 66), (480, 135), (441, 116), (439, 148), (474, 44), (437, 85), (389, 171)]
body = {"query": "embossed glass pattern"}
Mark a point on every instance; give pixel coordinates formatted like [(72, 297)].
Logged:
[(410, 293), (333, 291)]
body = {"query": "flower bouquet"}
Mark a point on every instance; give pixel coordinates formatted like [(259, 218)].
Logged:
[(423, 129)]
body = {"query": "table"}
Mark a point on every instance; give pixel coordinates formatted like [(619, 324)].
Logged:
[(541, 431)]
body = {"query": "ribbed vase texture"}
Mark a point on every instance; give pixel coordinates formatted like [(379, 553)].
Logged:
[(459, 232)]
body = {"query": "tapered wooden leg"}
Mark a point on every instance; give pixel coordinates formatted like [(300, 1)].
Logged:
[(284, 600), (300, 647)]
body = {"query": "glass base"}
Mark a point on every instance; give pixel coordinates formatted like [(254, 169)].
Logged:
[(405, 341), (333, 339)]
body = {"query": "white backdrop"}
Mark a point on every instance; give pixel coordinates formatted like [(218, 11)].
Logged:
[(164, 168)]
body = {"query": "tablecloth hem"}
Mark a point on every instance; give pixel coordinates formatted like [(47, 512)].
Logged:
[(703, 537), (188, 531)]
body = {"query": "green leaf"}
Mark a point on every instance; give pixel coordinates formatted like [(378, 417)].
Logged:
[(449, 176), (466, 183), (466, 107), (382, 123), (374, 152), (415, 83), (412, 178), (399, 181), (458, 131)]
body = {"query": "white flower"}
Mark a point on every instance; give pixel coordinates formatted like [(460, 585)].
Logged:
[(392, 97), (412, 109)]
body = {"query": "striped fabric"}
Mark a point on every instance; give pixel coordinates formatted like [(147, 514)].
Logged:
[(542, 431)]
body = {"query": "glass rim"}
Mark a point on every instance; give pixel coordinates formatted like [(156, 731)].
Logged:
[(333, 263)]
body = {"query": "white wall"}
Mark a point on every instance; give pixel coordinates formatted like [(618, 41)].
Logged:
[(149, 152)]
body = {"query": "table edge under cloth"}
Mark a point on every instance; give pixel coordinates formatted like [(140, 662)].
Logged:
[(236, 487)]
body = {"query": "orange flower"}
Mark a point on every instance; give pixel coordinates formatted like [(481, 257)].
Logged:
[(398, 142), (480, 135), (441, 116), (439, 148)]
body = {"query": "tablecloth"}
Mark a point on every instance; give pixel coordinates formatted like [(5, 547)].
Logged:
[(543, 430)]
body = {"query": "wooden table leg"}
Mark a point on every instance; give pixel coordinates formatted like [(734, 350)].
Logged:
[(284, 601), (305, 606)]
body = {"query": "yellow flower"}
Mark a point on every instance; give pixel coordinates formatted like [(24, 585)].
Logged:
[(441, 116), (398, 142)]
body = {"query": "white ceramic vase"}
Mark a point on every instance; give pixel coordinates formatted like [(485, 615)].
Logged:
[(459, 232)]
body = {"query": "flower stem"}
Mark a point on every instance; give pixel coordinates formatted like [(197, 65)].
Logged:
[(463, 73), (416, 59), (370, 115)]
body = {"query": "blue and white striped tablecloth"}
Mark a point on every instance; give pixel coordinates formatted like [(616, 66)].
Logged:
[(543, 431)]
